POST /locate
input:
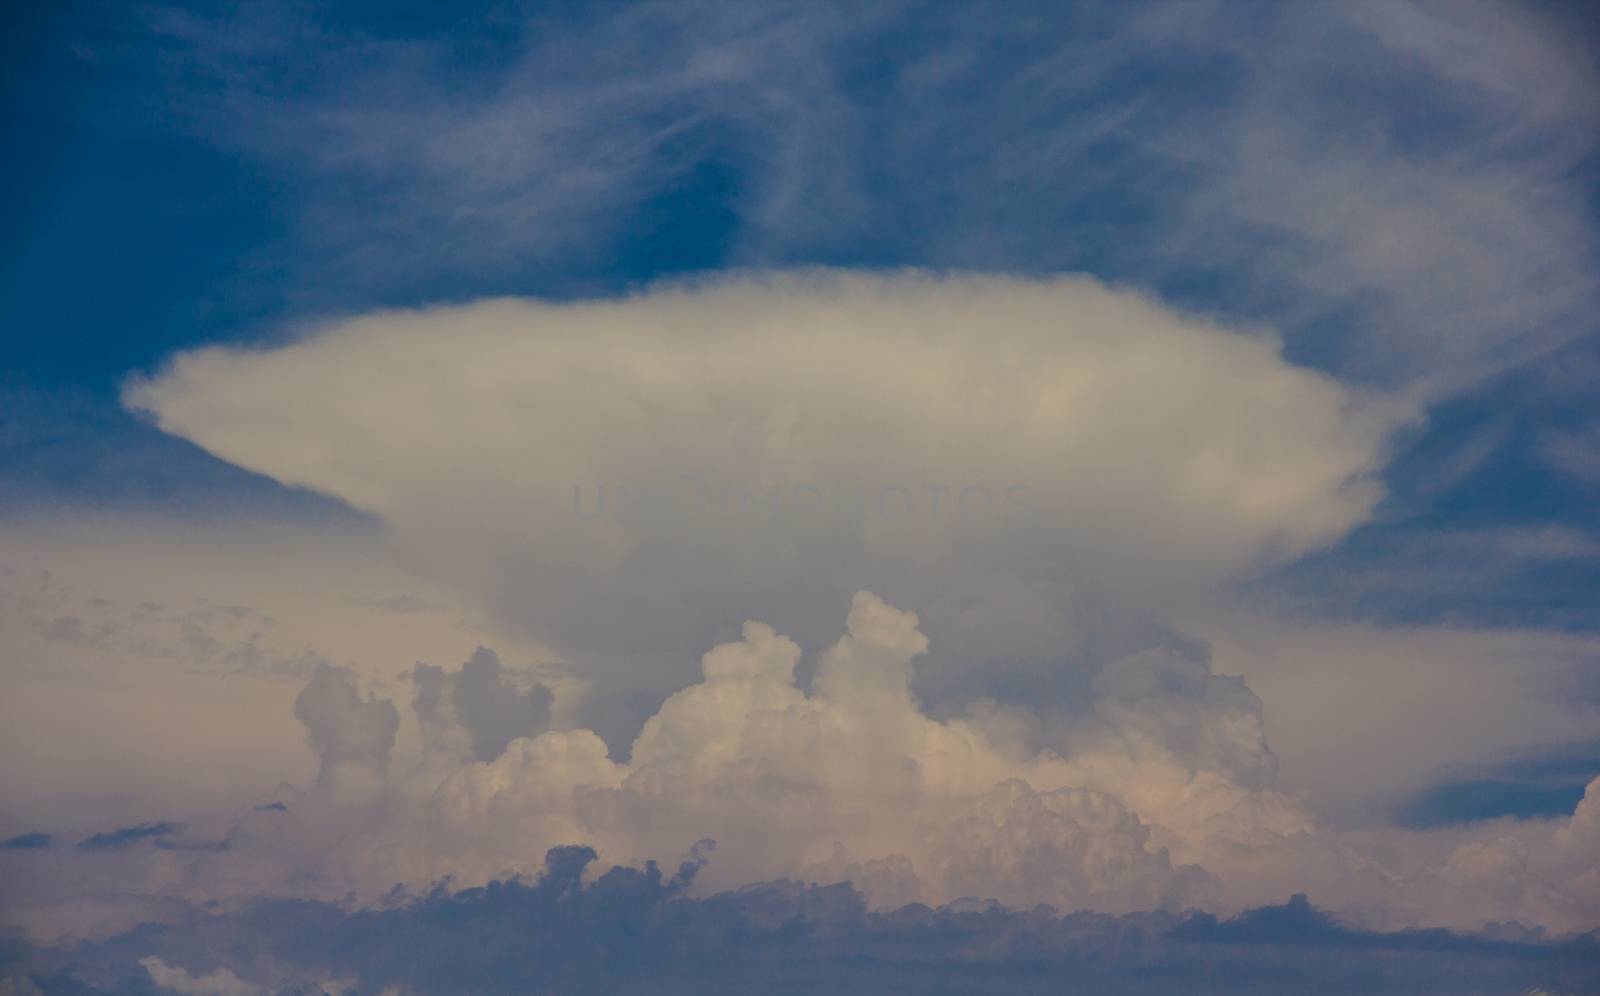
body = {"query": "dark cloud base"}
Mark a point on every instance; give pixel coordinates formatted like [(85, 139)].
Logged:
[(633, 930), (128, 836)]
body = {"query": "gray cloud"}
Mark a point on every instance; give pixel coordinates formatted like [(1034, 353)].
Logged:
[(480, 700), (632, 930), (343, 727), (127, 836)]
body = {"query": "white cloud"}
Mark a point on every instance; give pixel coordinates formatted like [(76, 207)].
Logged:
[(129, 647), (1365, 716), (853, 778), (1053, 447), (218, 982)]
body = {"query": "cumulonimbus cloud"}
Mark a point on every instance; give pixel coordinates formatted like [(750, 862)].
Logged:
[(625, 477)]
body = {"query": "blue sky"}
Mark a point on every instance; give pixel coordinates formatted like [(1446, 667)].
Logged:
[(308, 311)]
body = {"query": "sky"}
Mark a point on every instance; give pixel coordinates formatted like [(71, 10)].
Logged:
[(965, 486)]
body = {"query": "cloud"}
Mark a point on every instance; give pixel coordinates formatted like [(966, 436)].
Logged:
[(1162, 795), (174, 671), (343, 727), (1064, 478), (1548, 781), (1411, 165), (1026, 460), (480, 700), (629, 929), (127, 836), (219, 982), (1399, 186), (1341, 700), (1575, 451), (28, 842), (781, 778)]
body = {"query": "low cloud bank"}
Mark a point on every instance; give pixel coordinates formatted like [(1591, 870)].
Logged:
[(633, 929)]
